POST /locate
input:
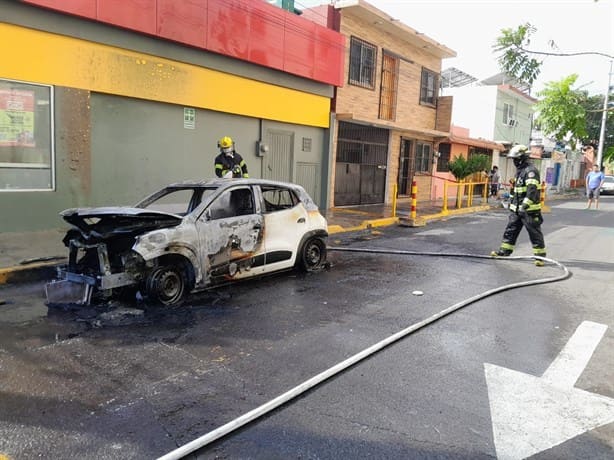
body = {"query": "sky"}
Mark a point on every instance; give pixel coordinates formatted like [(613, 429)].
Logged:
[(470, 28)]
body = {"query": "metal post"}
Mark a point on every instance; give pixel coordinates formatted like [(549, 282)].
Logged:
[(414, 194), (395, 192), (444, 209), (604, 117)]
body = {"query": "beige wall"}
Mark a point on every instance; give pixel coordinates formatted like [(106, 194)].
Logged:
[(363, 103)]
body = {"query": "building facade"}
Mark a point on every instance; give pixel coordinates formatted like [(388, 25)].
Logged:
[(389, 116), (102, 102)]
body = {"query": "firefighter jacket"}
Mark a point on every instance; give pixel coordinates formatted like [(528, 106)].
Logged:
[(526, 191), (234, 163)]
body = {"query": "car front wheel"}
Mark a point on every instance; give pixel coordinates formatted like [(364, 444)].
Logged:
[(313, 254), (166, 285)]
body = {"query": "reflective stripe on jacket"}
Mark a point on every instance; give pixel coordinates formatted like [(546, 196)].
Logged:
[(235, 163), (526, 192)]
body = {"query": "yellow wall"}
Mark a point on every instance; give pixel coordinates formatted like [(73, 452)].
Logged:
[(41, 57)]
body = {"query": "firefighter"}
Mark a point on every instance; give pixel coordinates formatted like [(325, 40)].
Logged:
[(229, 163), (525, 206)]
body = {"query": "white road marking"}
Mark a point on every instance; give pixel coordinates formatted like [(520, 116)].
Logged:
[(571, 361), (532, 414)]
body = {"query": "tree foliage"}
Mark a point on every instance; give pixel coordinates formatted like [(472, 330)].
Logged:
[(572, 115), (462, 167), (561, 111), (514, 59), (518, 61)]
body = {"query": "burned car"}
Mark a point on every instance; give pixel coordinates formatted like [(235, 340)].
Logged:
[(187, 237)]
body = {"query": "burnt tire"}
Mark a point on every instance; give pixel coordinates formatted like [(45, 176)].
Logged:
[(166, 286), (312, 256)]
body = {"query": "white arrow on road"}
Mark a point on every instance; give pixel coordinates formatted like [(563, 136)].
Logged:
[(532, 414)]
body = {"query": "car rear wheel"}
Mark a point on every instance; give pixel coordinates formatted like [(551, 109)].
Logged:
[(166, 285), (313, 254)]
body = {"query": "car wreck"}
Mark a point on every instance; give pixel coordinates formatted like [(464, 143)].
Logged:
[(187, 237)]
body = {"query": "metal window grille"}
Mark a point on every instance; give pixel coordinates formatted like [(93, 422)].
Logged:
[(428, 87), (306, 144), (362, 144), (362, 63)]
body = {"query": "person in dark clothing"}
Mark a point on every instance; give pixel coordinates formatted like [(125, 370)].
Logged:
[(229, 163), (525, 207)]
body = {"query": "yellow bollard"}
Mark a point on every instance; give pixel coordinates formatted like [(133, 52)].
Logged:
[(444, 209), (414, 194)]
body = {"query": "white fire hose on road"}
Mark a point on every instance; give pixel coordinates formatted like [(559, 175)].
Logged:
[(269, 406)]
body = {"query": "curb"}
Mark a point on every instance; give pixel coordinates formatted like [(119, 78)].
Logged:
[(31, 272)]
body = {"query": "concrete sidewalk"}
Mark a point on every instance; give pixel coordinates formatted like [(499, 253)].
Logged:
[(30, 256)]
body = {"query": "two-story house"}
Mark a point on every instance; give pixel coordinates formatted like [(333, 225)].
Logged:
[(496, 109), (389, 116)]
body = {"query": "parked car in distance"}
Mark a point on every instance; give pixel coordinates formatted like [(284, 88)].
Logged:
[(607, 188), (188, 237)]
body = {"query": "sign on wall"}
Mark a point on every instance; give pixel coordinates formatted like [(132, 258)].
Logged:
[(189, 118), (17, 118)]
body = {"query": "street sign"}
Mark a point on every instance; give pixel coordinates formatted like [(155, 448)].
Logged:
[(532, 414)]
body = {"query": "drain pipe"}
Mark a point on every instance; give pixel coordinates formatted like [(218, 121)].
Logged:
[(282, 399)]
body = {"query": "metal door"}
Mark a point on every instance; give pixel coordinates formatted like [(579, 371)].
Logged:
[(277, 162), (360, 169), (406, 167)]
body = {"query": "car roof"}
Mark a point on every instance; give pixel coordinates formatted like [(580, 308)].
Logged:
[(223, 183)]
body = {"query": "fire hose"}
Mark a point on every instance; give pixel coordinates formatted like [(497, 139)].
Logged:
[(293, 393)]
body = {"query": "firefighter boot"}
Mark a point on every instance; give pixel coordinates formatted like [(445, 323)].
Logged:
[(539, 263), (500, 253)]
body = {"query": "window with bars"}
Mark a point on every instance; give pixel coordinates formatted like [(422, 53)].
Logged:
[(428, 87), (388, 90), (362, 63), (423, 157)]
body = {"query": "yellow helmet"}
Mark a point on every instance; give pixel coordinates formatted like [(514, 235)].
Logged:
[(225, 142)]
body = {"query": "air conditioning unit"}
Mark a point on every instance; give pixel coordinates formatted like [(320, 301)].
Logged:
[(512, 122)]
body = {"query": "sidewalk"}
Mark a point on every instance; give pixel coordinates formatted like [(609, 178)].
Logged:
[(30, 256)]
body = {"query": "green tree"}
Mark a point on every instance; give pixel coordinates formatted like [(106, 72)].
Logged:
[(561, 111), (514, 58), (520, 62), (461, 167), (594, 113)]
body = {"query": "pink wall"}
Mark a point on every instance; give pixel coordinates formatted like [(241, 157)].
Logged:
[(251, 30)]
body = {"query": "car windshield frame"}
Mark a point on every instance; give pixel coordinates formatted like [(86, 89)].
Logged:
[(199, 195)]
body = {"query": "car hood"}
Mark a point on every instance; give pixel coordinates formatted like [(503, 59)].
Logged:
[(105, 222)]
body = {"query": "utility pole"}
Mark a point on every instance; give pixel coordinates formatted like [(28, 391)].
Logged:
[(604, 118)]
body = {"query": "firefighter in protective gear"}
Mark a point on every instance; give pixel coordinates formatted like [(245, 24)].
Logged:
[(229, 163), (525, 206)]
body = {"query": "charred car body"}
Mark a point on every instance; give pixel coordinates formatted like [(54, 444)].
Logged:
[(187, 237)]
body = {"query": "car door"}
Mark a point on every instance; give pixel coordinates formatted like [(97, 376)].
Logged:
[(285, 221), (230, 232)]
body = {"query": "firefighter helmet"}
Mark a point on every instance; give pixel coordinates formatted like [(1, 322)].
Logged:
[(519, 151), (225, 142)]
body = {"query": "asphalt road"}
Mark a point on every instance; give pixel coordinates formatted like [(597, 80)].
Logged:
[(524, 372)]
